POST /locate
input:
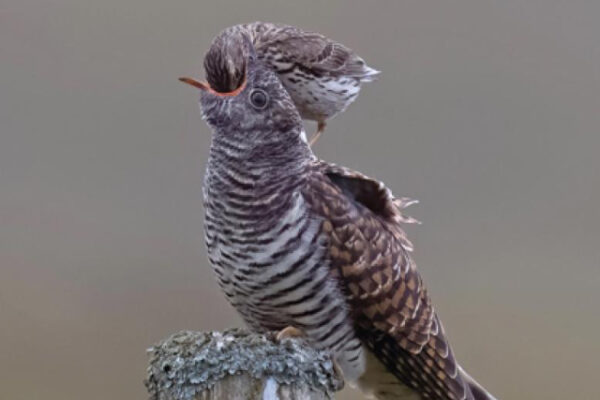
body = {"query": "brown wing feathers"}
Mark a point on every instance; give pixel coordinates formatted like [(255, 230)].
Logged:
[(369, 250)]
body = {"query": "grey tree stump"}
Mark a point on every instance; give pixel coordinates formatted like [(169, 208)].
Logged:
[(236, 365)]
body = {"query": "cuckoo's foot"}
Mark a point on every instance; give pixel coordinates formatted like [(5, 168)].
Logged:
[(289, 332), (336, 368), (320, 129)]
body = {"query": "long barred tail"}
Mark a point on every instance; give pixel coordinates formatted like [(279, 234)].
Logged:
[(379, 383)]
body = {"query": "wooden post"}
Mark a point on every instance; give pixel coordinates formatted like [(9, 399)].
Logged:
[(239, 365)]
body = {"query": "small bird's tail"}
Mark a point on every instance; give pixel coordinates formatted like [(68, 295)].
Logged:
[(479, 393), (369, 74)]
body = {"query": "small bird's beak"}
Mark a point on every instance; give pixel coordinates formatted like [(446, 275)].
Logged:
[(200, 85)]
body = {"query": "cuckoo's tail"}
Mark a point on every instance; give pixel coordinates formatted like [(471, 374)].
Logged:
[(478, 391)]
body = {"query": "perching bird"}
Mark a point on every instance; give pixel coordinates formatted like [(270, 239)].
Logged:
[(322, 76), (296, 241)]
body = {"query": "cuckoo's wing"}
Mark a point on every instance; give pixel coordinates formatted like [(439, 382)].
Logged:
[(370, 255)]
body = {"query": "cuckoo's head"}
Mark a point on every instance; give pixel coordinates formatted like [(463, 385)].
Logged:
[(257, 109)]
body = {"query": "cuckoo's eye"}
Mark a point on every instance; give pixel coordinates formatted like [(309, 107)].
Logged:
[(259, 99)]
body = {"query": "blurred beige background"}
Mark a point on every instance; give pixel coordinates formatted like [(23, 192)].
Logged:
[(487, 111)]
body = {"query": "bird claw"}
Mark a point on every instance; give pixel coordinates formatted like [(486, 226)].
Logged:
[(337, 370), (289, 332)]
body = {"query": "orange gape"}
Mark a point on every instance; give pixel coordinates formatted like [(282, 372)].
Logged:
[(206, 86)]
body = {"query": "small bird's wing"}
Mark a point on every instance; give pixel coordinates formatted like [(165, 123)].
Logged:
[(285, 48), (308, 50), (370, 256)]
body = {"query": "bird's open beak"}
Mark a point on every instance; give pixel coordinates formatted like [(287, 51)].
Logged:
[(196, 84)]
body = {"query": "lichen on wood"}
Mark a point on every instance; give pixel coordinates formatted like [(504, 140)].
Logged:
[(237, 364)]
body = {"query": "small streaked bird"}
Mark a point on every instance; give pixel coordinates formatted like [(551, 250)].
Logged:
[(322, 76), (298, 242)]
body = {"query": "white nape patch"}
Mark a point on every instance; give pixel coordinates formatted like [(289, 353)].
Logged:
[(303, 136), (270, 391)]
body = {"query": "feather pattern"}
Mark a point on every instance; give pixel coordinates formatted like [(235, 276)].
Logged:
[(322, 76), (394, 316), (295, 241)]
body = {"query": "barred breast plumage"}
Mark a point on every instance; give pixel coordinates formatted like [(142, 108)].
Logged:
[(269, 253)]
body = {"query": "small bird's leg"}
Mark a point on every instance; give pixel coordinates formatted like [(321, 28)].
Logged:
[(289, 332), (320, 129)]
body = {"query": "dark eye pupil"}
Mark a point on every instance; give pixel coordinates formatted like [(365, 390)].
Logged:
[(258, 98)]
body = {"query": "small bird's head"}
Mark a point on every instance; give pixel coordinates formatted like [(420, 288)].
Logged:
[(259, 109)]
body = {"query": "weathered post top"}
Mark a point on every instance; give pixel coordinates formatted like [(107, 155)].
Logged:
[(236, 364)]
